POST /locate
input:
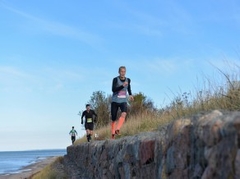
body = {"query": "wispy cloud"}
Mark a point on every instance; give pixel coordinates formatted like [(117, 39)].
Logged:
[(139, 26), (156, 66), (12, 71), (12, 78), (137, 22), (64, 75), (60, 29), (158, 25), (44, 79), (162, 66), (145, 23)]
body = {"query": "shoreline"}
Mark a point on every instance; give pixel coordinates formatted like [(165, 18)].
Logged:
[(28, 171)]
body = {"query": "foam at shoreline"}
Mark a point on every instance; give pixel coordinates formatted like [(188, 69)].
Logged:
[(28, 171), (14, 162)]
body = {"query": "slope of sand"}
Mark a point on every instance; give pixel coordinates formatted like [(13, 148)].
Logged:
[(29, 170)]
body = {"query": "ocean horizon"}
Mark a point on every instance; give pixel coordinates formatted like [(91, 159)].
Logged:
[(12, 162)]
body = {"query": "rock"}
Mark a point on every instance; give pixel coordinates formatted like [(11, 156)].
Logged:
[(237, 165), (205, 146), (208, 128), (147, 152)]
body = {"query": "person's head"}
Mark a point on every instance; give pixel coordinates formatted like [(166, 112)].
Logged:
[(122, 71), (88, 106), (72, 127)]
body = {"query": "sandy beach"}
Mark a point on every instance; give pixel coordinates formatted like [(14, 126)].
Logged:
[(30, 169)]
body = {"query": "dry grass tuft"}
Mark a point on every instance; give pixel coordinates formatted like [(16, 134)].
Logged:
[(215, 94), (52, 171)]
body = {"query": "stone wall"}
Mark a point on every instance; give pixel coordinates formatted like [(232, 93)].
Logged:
[(204, 146)]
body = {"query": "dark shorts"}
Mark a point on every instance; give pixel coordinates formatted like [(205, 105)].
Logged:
[(114, 109), (73, 138), (89, 126)]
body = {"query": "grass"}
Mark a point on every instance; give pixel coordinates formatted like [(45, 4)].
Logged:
[(215, 94), (181, 107), (148, 121), (51, 171), (222, 93)]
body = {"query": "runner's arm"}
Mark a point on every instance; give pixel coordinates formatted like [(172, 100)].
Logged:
[(129, 87), (82, 117), (116, 88)]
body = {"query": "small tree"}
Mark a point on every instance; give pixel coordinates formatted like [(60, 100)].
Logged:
[(141, 104), (100, 103)]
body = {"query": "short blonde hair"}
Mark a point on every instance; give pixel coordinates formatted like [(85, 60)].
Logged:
[(121, 67)]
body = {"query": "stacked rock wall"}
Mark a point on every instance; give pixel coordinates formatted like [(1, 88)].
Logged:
[(204, 146)]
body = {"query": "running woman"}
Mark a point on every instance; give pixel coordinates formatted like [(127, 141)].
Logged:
[(120, 87), (73, 134), (89, 114)]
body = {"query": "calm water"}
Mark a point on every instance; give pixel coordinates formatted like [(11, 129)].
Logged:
[(14, 161)]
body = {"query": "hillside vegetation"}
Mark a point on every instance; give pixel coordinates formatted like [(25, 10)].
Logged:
[(221, 93)]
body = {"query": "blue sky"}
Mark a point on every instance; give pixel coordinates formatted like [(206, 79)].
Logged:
[(55, 54)]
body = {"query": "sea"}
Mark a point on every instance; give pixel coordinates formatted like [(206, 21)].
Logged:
[(12, 162)]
